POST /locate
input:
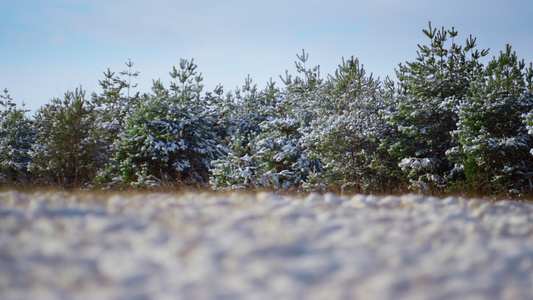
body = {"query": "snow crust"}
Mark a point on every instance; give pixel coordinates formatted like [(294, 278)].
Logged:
[(263, 246)]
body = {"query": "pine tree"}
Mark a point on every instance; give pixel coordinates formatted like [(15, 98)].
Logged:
[(170, 137), (245, 111), (115, 102), (112, 107), (284, 161), (240, 167), (494, 145), (423, 107), (67, 152), (16, 137), (344, 132), (527, 118), (266, 150)]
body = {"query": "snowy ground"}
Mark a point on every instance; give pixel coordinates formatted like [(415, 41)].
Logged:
[(202, 246)]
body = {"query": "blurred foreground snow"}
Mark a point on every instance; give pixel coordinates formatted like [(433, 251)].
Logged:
[(263, 246)]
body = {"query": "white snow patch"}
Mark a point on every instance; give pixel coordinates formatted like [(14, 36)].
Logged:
[(263, 246)]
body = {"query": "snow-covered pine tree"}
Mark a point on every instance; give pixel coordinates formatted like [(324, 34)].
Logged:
[(528, 117), (423, 108), (284, 162), (170, 137), (270, 154), (243, 112), (114, 103), (345, 130), (67, 152), (250, 107), (16, 137), (240, 167), (494, 145)]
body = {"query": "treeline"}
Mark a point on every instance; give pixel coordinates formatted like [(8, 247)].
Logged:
[(449, 124)]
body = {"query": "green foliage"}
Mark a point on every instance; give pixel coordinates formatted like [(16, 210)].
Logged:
[(114, 103), (66, 152), (242, 114), (239, 168), (448, 124), (494, 145), (423, 108), (283, 160), (344, 133), (170, 137), (265, 147), (16, 137)]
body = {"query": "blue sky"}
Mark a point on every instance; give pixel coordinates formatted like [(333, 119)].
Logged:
[(49, 47)]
